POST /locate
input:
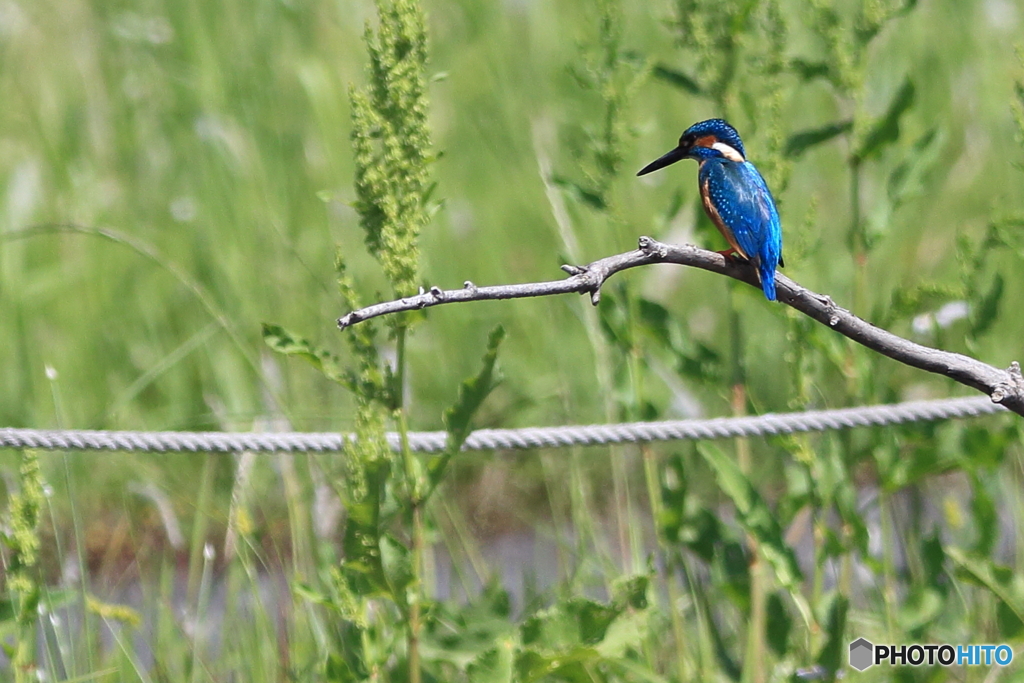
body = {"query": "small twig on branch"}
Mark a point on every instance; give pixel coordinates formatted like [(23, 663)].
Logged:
[(1005, 387)]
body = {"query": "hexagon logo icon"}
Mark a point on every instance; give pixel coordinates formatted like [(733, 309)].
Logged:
[(861, 654)]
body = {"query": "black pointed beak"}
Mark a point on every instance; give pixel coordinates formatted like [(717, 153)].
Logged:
[(664, 160)]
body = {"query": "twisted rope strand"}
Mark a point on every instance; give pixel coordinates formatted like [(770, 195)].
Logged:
[(495, 439)]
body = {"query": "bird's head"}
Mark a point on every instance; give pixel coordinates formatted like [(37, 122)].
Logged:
[(705, 140)]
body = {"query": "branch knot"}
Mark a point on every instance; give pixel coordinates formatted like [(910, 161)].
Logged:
[(1012, 389), (653, 247)]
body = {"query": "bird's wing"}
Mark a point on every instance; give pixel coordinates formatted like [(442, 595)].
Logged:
[(740, 197)]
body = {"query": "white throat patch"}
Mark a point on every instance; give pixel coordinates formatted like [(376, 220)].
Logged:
[(728, 151)]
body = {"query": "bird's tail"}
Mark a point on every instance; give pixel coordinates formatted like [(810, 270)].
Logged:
[(766, 271)]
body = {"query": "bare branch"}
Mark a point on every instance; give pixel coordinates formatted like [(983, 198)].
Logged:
[(1005, 387)]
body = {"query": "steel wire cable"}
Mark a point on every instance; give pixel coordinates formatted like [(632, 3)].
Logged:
[(501, 439)]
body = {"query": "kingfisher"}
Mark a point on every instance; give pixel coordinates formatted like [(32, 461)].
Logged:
[(735, 196)]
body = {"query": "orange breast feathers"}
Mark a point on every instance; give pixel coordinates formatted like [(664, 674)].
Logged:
[(716, 218)]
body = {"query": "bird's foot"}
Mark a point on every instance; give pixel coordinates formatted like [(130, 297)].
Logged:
[(730, 254)]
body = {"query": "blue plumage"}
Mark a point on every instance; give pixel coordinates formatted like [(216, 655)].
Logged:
[(734, 194)]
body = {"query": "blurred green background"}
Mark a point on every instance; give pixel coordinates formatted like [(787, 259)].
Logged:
[(174, 174), (213, 136)]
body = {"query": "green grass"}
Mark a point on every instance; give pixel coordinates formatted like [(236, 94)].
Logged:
[(174, 174)]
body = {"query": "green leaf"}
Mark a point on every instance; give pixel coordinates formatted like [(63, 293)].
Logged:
[(808, 71), (844, 495), (7, 611), (568, 624), (627, 632), (494, 665), (693, 359), (830, 657), (778, 625), (887, 129), (1010, 625), (985, 311), (372, 382), (702, 533), (677, 78), (1003, 582), (306, 592), (614, 318), (754, 515), (984, 447), (908, 302), (798, 143), (284, 342), (672, 480), (867, 30), (631, 591), (593, 619), (933, 561), (1008, 232), (699, 362), (732, 563), (658, 322), (907, 180), (728, 663), (584, 195), (920, 608), (985, 515), (364, 565), (566, 639), (396, 565), (458, 419), (30, 601), (338, 670), (566, 666), (478, 636)]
